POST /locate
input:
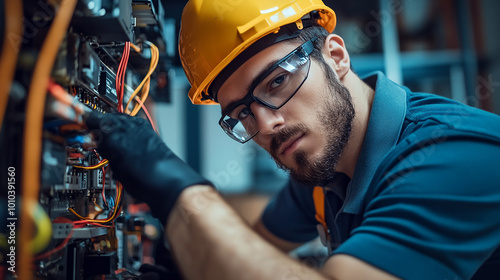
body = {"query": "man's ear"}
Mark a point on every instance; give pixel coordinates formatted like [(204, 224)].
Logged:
[(336, 55)]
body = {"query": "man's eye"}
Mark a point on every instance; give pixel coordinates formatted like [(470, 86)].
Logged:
[(245, 112), (278, 81)]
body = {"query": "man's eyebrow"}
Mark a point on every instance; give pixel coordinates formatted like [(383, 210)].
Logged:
[(252, 83)]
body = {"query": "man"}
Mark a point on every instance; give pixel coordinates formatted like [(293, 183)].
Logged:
[(409, 182)]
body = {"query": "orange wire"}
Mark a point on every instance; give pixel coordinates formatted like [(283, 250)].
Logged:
[(59, 93), (93, 167), (147, 113), (116, 210), (103, 194), (145, 84), (10, 49), (32, 151)]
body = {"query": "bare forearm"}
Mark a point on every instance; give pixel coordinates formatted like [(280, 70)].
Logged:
[(210, 241)]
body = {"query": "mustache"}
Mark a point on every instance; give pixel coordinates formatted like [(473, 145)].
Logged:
[(284, 134)]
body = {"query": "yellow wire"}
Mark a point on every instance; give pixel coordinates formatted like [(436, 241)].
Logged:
[(43, 227), (145, 84), (153, 65), (76, 214), (80, 216), (115, 210), (97, 166)]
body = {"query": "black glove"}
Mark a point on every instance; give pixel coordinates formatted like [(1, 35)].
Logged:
[(141, 161), (157, 272)]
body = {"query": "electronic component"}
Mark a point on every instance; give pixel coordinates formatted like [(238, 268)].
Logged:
[(89, 216), (112, 23), (89, 66), (107, 89)]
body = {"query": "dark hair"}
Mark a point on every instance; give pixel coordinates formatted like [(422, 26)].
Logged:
[(314, 31), (320, 33)]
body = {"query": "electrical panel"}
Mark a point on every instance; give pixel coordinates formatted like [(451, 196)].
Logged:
[(108, 59)]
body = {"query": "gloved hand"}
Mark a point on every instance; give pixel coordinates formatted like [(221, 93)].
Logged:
[(157, 272), (141, 161)]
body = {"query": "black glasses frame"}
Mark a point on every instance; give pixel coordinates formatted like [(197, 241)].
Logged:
[(249, 98)]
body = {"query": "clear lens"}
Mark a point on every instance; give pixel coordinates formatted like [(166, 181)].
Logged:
[(240, 124), (279, 85)]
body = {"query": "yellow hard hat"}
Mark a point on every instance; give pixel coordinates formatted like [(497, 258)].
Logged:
[(215, 33)]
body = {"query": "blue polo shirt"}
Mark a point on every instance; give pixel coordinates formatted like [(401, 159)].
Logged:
[(424, 201)]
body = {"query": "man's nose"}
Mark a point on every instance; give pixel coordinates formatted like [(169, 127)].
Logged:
[(268, 120)]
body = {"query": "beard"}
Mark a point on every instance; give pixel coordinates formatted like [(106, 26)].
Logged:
[(336, 116)]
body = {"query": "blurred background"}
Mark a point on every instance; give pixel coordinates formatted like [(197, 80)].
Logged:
[(445, 47)]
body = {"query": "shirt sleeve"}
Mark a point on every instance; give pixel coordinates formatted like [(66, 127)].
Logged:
[(435, 214), (290, 214)]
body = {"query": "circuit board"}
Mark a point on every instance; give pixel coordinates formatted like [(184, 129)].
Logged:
[(81, 223)]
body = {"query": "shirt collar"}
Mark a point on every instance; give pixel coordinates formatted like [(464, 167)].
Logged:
[(384, 127)]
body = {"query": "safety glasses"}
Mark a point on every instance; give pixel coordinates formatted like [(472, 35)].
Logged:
[(271, 89)]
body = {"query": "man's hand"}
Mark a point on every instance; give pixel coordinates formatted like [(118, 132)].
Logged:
[(141, 161)]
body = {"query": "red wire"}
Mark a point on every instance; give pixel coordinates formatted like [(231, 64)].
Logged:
[(99, 225), (127, 49), (56, 249), (117, 83), (104, 184), (103, 178), (147, 114), (114, 214), (120, 81), (90, 166), (120, 76)]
